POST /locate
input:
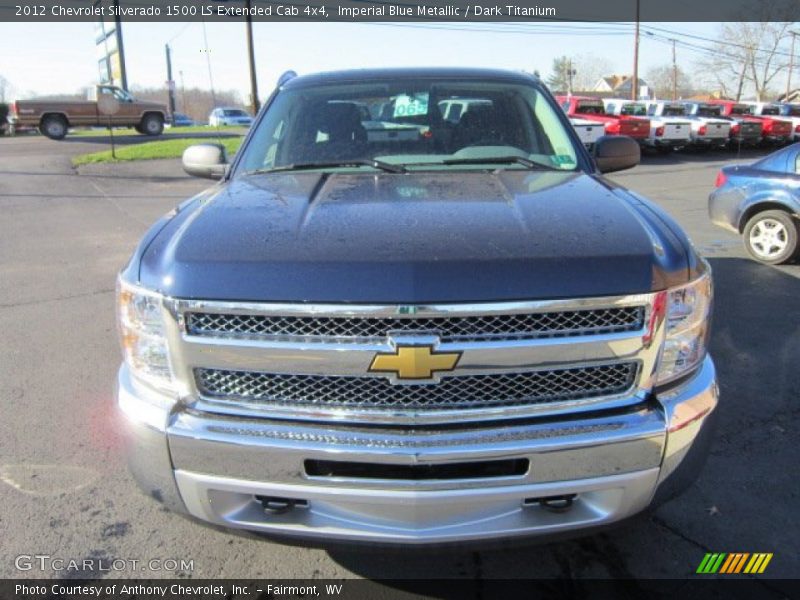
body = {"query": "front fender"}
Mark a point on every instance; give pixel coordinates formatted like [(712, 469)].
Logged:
[(767, 199)]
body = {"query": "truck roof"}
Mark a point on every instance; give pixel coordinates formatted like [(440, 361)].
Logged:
[(574, 97), (365, 75)]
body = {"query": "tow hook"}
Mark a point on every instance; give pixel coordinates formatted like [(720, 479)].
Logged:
[(277, 506), (556, 504)]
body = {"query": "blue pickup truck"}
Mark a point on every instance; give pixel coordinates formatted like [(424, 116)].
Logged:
[(384, 325)]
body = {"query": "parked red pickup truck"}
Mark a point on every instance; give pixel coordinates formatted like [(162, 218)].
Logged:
[(777, 130), (592, 109)]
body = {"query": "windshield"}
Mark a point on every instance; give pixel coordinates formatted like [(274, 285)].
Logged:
[(412, 122), (591, 108), (673, 111), (709, 111), (636, 110)]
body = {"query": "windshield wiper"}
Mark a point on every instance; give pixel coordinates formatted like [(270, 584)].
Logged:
[(366, 162), (499, 160)]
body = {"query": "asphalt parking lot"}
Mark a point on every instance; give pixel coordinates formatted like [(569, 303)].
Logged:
[(65, 490)]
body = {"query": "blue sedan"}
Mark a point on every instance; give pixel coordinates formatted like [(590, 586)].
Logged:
[(761, 201)]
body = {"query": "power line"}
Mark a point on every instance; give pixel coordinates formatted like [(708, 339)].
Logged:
[(726, 43), (708, 51)]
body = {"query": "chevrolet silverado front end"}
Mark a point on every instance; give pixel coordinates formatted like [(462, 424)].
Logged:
[(385, 326)]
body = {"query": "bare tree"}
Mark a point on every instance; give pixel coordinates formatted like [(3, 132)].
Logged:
[(588, 69), (5, 90), (660, 80), (747, 56)]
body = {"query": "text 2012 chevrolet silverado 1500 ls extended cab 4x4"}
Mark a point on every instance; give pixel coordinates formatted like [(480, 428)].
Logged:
[(461, 333)]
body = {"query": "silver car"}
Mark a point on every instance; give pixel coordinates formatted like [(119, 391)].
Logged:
[(221, 117)]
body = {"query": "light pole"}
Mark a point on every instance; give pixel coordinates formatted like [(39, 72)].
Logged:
[(635, 81), (170, 83), (570, 73), (255, 104), (123, 71), (183, 92), (674, 74)]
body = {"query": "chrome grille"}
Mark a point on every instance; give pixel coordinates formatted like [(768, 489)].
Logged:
[(471, 391), (448, 328)]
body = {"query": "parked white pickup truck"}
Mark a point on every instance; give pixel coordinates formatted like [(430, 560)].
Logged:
[(792, 112), (709, 128), (588, 131), (668, 131)]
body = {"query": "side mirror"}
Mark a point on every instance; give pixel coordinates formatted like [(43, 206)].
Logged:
[(616, 153), (205, 160)]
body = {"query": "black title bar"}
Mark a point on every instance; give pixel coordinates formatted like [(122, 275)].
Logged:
[(464, 11)]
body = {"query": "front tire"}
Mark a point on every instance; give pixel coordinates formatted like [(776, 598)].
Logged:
[(152, 124), (770, 237), (54, 127)]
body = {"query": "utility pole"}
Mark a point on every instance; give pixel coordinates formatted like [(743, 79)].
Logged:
[(674, 74), (635, 81), (791, 66), (255, 104), (183, 92), (123, 73), (570, 73), (170, 83)]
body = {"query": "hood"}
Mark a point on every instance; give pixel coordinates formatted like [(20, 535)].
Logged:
[(412, 238)]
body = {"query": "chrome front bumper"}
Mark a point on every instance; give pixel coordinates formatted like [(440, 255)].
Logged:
[(615, 462)]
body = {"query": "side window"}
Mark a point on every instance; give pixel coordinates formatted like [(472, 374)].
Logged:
[(454, 114), (558, 144), (121, 95), (272, 149), (651, 110), (611, 108), (797, 163)]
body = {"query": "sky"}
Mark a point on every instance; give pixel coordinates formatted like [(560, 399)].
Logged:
[(51, 58)]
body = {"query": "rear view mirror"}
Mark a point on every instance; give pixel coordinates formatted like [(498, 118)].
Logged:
[(616, 153), (205, 160)]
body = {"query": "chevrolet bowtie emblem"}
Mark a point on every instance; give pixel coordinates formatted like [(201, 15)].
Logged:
[(414, 362)]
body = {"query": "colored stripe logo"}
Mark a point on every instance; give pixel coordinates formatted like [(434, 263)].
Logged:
[(734, 563)]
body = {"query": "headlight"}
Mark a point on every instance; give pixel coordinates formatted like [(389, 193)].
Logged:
[(142, 335), (688, 312)]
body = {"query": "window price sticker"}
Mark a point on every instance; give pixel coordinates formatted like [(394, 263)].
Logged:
[(410, 106)]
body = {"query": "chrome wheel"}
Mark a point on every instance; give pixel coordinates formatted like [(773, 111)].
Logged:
[(768, 238)]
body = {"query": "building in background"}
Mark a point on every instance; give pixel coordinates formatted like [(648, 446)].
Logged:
[(620, 86)]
